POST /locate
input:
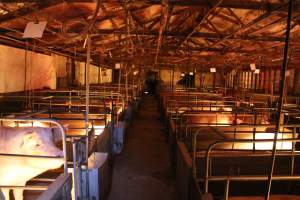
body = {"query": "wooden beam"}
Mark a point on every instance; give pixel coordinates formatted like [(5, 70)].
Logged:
[(26, 10), (238, 4), (163, 24), (202, 21), (195, 35), (248, 25), (112, 21)]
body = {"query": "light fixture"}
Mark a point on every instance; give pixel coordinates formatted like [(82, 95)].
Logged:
[(213, 70), (182, 74), (34, 29), (117, 66), (132, 66), (191, 73), (252, 66), (256, 71), (136, 72)]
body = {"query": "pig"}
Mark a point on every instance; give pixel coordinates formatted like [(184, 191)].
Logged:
[(17, 171), (227, 119), (211, 119)]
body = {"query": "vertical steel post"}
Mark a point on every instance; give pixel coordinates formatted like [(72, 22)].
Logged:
[(87, 92), (99, 75), (173, 73), (282, 87), (87, 102), (126, 84), (226, 192)]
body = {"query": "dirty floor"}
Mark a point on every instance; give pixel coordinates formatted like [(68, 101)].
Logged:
[(142, 171)]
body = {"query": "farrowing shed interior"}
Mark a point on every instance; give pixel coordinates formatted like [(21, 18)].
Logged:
[(170, 99)]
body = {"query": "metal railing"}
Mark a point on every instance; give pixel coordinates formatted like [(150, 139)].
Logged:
[(228, 178)]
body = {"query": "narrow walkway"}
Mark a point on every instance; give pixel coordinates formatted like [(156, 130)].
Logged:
[(142, 171)]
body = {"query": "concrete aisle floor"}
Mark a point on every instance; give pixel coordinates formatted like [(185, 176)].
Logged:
[(142, 171)]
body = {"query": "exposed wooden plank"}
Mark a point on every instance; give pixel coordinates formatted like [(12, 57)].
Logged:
[(110, 18), (163, 24), (40, 5), (239, 4), (202, 21), (248, 25), (195, 35)]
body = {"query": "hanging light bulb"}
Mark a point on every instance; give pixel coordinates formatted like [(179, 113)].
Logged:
[(252, 66), (213, 70), (182, 74), (117, 66), (135, 72)]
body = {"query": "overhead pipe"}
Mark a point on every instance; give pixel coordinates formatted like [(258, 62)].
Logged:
[(281, 98)]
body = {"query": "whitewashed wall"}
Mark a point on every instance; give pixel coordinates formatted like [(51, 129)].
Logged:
[(40, 73), (60, 63), (106, 75), (94, 74), (42, 70)]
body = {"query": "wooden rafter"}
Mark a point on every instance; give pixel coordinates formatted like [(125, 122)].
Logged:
[(248, 25), (163, 24), (115, 26), (181, 35), (239, 4), (27, 10), (202, 21)]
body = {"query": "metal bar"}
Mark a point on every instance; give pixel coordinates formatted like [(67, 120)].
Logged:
[(252, 178), (208, 151), (226, 192), (28, 156), (172, 79), (282, 88), (75, 178), (87, 102), (228, 153), (195, 125), (87, 93), (194, 155), (293, 151), (27, 187), (43, 179)]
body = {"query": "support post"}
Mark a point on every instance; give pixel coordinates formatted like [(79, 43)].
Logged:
[(87, 92), (87, 102), (172, 79)]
